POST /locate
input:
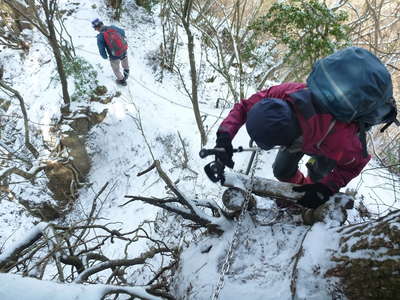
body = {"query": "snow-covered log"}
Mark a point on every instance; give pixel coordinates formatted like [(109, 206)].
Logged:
[(333, 210), (263, 187)]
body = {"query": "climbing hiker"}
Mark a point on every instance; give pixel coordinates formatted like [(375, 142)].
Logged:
[(112, 44), (295, 117)]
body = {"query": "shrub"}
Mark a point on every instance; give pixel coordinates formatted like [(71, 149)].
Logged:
[(308, 28), (84, 75)]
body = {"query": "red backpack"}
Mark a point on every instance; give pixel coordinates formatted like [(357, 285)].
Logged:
[(115, 42)]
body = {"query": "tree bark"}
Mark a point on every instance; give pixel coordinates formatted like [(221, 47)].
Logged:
[(52, 38), (367, 262), (187, 8)]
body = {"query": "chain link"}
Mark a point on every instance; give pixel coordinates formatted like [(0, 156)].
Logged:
[(235, 238)]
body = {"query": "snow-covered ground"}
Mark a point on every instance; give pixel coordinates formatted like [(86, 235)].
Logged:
[(263, 261)]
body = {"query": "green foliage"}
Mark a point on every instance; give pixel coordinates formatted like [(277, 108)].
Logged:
[(147, 4), (84, 75), (308, 28), (391, 156), (248, 49)]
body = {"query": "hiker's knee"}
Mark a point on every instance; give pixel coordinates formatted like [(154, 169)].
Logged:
[(286, 164), (283, 171)]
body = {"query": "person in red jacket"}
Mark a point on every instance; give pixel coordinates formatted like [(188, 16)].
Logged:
[(288, 115)]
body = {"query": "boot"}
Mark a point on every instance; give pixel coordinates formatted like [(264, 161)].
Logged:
[(121, 82), (126, 74)]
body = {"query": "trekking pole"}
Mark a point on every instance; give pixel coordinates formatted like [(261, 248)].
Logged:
[(206, 152), (251, 158), (215, 169)]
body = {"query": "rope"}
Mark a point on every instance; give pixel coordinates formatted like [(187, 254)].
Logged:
[(157, 94), (171, 101)]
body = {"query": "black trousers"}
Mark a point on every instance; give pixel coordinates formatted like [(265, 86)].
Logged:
[(286, 165)]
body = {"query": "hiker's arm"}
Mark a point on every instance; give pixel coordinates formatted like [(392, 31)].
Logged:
[(282, 91), (238, 115), (345, 171), (102, 47)]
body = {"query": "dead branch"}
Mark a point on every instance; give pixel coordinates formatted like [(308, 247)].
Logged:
[(119, 263), (152, 166), (59, 246), (22, 173), (131, 291), (296, 258), (10, 257), (28, 144), (166, 204), (90, 218), (73, 261), (181, 205)]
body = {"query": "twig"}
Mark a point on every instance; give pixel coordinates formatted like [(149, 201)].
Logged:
[(297, 256), (118, 263)]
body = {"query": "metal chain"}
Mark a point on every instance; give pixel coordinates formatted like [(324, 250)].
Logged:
[(235, 238)]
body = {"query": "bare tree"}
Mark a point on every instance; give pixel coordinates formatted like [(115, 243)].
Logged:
[(47, 27), (225, 29), (170, 37), (375, 25), (117, 6), (183, 11)]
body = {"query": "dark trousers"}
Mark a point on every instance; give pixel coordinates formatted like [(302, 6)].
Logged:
[(286, 165)]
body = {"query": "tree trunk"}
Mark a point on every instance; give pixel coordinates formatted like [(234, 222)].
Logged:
[(367, 262), (56, 51), (193, 72)]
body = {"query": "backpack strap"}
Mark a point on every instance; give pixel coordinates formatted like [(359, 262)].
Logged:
[(363, 138), (392, 118), (395, 121)]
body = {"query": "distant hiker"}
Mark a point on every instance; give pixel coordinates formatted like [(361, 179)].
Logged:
[(292, 115), (112, 44)]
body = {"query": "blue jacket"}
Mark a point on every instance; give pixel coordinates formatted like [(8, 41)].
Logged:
[(101, 43)]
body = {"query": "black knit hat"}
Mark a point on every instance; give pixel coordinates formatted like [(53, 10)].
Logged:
[(271, 122)]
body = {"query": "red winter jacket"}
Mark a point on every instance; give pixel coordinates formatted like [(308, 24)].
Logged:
[(322, 134)]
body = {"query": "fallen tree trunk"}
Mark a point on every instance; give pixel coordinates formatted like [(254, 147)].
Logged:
[(262, 186), (333, 210)]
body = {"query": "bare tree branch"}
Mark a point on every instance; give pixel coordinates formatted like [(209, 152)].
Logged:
[(118, 263), (28, 144)]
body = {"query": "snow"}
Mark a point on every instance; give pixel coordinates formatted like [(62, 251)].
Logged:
[(142, 125), (262, 263), (14, 287)]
